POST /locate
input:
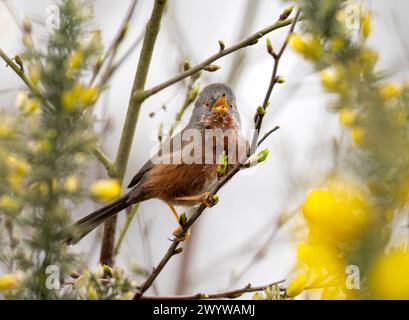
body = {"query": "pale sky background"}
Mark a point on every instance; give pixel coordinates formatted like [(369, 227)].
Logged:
[(301, 152)]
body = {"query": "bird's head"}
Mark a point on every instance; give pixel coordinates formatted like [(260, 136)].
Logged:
[(216, 107)]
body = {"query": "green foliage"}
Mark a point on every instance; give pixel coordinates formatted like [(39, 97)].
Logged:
[(47, 150)]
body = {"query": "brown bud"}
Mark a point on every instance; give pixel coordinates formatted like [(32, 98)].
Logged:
[(211, 68), (186, 65), (221, 45)]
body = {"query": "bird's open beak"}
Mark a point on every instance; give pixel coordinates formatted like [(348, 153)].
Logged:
[(221, 104)]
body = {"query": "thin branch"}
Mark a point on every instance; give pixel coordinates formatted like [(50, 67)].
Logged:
[(128, 130), (106, 162), (232, 294), (173, 249), (245, 24), (267, 134), (112, 50), (129, 217), (23, 77), (260, 115), (189, 98), (241, 44)]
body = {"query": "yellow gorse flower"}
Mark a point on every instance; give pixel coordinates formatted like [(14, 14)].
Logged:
[(366, 24), (75, 60), (348, 117), (358, 135), (5, 130), (79, 96), (310, 48), (71, 184), (10, 281), (31, 105), (8, 203), (389, 91), (34, 74), (296, 286), (335, 215), (106, 189), (340, 210), (389, 276)]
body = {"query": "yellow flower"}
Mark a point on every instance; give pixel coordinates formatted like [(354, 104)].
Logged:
[(75, 60), (257, 296), (34, 74), (21, 98), (331, 79), (10, 281), (336, 213), (366, 25), (92, 293), (8, 203), (31, 105), (79, 95), (5, 130), (358, 135), (347, 117), (106, 189), (71, 184), (89, 95), (309, 47), (337, 43), (19, 166), (333, 293), (389, 91), (389, 276), (297, 43), (41, 187), (296, 286)]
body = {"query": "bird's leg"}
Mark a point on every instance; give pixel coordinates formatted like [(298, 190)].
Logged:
[(206, 198), (179, 233)]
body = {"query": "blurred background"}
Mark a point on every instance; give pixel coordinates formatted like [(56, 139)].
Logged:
[(238, 241)]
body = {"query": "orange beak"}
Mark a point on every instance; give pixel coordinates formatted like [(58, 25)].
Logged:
[(221, 104)]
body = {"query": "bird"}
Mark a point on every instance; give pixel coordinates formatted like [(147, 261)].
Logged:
[(185, 168)]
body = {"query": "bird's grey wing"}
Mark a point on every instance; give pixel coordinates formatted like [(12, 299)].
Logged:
[(146, 167)]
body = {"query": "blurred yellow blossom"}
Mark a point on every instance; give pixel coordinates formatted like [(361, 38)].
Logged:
[(92, 293), (358, 135), (336, 212), (8, 203), (309, 47), (296, 286), (10, 281), (348, 117), (31, 105), (389, 91), (21, 98), (331, 79), (34, 74), (79, 95), (366, 24), (71, 184), (75, 60), (5, 130), (106, 189), (389, 276), (17, 165)]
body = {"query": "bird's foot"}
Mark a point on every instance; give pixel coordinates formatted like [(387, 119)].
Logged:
[(209, 200), (180, 234)]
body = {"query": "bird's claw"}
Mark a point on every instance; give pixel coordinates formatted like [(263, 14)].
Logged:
[(180, 234), (209, 200)]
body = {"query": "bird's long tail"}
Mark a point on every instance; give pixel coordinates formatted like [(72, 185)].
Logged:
[(85, 225)]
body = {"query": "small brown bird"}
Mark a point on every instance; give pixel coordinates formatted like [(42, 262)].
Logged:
[(183, 174)]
